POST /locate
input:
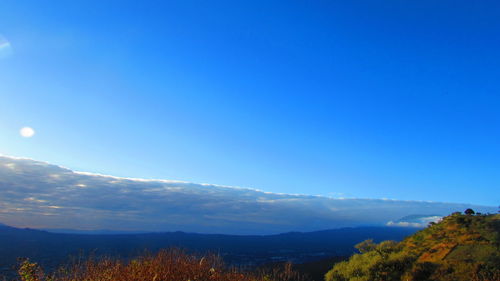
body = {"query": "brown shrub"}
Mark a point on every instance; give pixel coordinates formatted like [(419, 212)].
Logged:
[(166, 265)]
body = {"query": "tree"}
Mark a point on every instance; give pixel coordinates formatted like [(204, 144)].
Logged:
[(366, 246), (469, 212)]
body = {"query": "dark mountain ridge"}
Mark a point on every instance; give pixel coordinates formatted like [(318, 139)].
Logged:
[(53, 249)]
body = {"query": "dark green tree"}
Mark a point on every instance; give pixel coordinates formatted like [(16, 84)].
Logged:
[(469, 212)]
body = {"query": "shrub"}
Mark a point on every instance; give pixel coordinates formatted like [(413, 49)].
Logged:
[(166, 265)]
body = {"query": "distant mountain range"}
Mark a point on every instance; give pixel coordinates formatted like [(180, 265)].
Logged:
[(52, 249), (91, 232)]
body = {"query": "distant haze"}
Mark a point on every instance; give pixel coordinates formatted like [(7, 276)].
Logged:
[(41, 195)]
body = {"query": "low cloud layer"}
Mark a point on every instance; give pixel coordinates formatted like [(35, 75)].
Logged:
[(40, 195), (415, 221)]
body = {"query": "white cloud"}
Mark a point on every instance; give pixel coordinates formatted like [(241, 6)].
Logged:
[(38, 194), (415, 221), (404, 224)]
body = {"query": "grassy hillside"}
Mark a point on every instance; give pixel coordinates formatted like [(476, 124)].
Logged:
[(460, 247)]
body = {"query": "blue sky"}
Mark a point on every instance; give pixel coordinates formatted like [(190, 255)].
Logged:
[(364, 99)]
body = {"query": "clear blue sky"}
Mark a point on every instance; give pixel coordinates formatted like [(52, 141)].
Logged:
[(365, 99)]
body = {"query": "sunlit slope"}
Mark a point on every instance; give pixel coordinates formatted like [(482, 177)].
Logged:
[(460, 247)]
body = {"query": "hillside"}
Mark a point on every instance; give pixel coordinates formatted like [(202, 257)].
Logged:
[(460, 247)]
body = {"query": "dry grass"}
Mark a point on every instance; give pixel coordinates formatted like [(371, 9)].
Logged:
[(166, 265)]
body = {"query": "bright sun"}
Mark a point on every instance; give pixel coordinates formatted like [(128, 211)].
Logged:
[(27, 132)]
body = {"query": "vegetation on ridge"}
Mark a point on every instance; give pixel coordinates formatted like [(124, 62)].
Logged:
[(460, 247), (166, 265)]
